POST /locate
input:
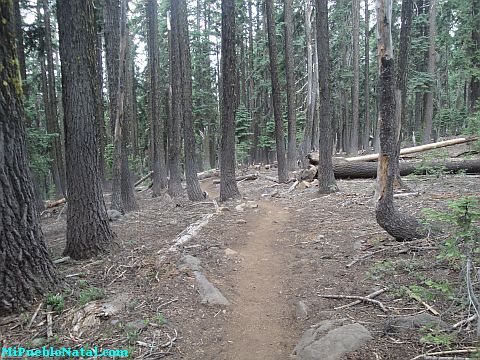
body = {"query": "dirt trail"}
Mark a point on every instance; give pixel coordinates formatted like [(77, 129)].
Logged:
[(258, 327)]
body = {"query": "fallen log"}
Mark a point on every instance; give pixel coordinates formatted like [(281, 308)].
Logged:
[(52, 204), (208, 174), (416, 149), (368, 170), (241, 178), (143, 179)]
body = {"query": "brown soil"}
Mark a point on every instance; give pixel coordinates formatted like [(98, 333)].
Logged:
[(291, 248), (257, 329)]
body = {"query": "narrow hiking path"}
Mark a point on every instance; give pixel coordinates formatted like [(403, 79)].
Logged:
[(257, 327)]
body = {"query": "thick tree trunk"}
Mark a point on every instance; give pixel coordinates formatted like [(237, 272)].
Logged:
[(102, 135), (326, 178), (291, 92), (111, 33), (88, 230), (398, 225), (276, 96), (306, 145), (194, 190), (475, 79), (26, 272), (367, 130), (356, 77), (157, 128), (123, 197), (228, 185), (432, 31), (368, 170)]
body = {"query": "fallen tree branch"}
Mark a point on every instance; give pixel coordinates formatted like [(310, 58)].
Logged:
[(464, 321), (143, 179), (241, 178), (356, 302), (361, 298), (419, 299), (416, 149), (51, 204), (190, 232), (448, 352)]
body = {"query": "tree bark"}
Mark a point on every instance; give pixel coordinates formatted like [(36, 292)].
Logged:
[(157, 127), (356, 76), (289, 71), (400, 226), (228, 185), (475, 79), (174, 182), (326, 178), (276, 96), (432, 32), (123, 197), (26, 272), (88, 230), (367, 132), (111, 33), (194, 190)]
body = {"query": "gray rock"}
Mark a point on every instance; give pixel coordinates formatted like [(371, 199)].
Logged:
[(189, 262), (38, 342), (114, 215), (230, 252), (137, 325), (209, 294), (325, 342), (406, 323), (241, 207), (301, 310)]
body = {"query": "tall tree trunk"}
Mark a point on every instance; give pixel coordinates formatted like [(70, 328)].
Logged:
[(432, 31), (475, 79), (306, 146), (102, 136), (156, 124), (398, 225), (356, 77), (111, 33), (228, 184), (174, 182), (289, 71), (26, 272), (194, 190), (88, 230), (367, 132), (123, 197), (276, 96), (326, 178), (19, 41), (51, 110)]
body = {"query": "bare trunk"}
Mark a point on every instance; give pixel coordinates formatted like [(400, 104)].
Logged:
[(356, 76), (398, 225), (289, 70), (228, 184), (326, 178), (432, 30)]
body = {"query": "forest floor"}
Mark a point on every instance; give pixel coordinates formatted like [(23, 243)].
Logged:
[(271, 260)]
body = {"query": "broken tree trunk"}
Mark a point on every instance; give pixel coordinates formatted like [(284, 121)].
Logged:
[(52, 204), (354, 170), (415, 149), (143, 179), (241, 178)]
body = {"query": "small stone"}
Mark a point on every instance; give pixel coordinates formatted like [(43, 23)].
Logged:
[(329, 343), (251, 205), (230, 252), (189, 262), (114, 215), (240, 208), (209, 294), (223, 209), (301, 310), (38, 342), (138, 325), (413, 322), (241, 221)]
